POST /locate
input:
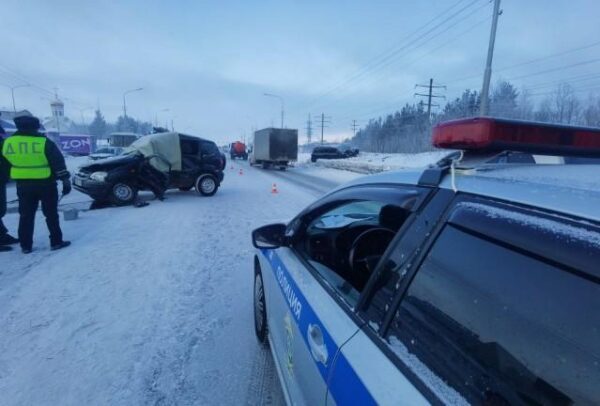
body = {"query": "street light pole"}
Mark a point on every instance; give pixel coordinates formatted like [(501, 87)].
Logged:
[(12, 92), (124, 103), (282, 105)]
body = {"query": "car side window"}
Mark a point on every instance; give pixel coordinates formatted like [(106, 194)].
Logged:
[(209, 148), (189, 147), (487, 322), (344, 243)]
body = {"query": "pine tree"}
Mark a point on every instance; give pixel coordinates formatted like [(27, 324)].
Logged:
[(98, 126), (503, 102)]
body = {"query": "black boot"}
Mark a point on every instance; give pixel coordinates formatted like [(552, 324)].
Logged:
[(8, 239), (62, 244)]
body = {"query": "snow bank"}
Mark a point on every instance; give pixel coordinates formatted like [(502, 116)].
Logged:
[(369, 162)]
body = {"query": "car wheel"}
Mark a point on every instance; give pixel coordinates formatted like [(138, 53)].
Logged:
[(206, 185), (313, 159), (123, 193), (260, 309)]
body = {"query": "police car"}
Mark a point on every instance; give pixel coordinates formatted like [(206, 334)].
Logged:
[(475, 281)]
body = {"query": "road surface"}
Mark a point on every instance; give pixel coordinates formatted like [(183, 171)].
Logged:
[(149, 305)]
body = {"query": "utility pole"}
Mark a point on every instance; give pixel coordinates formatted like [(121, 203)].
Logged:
[(12, 92), (324, 121), (309, 129), (282, 104), (354, 125), (485, 91), (430, 95)]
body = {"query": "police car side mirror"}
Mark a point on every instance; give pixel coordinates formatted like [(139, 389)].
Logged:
[(270, 236)]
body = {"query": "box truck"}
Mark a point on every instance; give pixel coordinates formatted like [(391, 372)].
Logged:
[(274, 147)]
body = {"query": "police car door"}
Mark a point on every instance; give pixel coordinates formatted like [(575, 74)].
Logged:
[(311, 315)]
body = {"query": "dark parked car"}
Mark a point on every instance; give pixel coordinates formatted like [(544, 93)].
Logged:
[(332, 153), (171, 160)]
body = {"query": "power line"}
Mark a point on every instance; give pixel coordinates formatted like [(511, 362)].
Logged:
[(579, 90), (309, 129), (462, 33), (381, 60), (354, 126), (421, 56), (325, 120), (557, 69), (579, 78), (529, 62), (430, 95)]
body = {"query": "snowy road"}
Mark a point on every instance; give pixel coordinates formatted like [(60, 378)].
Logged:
[(149, 306)]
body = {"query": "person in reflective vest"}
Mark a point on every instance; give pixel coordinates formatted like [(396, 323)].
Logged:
[(36, 164), (5, 238)]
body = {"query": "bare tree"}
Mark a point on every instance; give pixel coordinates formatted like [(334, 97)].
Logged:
[(566, 104), (591, 113), (525, 107)]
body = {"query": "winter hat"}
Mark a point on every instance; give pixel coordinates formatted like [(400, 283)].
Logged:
[(27, 124)]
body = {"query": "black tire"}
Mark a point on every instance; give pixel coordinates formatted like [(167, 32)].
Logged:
[(122, 194), (313, 159), (266, 165), (206, 185), (260, 309), (282, 168), (186, 189)]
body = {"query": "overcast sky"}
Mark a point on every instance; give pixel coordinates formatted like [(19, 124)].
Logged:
[(209, 62)]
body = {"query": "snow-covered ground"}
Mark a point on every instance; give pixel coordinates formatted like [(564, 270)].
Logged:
[(148, 306), (370, 162), (153, 305)]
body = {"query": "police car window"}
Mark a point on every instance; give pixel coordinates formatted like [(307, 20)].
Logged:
[(344, 244), (489, 325)]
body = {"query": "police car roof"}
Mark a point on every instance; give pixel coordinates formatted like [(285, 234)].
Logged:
[(569, 189)]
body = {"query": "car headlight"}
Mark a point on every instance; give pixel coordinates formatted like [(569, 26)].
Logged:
[(98, 176)]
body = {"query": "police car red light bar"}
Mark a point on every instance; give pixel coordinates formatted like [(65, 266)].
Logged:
[(487, 134)]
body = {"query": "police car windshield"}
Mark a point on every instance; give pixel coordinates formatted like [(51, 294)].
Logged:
[(348, 214)]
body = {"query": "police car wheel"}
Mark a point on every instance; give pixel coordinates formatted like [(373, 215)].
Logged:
[(206, 185), (260, 309), (123, 193)]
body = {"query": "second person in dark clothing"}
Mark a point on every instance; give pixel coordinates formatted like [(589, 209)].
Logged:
[(5, 238), (35, 164)]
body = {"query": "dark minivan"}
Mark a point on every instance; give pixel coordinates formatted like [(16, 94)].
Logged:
[(169, 160)]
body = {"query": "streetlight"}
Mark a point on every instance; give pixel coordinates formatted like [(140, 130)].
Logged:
[(124, 103), (281, 100), (12, 91), (156, 117)]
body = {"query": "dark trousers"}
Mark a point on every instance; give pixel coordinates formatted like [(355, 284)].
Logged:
[(30, 195), (3, 229)]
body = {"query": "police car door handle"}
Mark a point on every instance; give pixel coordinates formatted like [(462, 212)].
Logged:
[(318, 349)]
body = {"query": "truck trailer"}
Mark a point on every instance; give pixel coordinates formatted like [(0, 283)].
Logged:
[(274, 147)]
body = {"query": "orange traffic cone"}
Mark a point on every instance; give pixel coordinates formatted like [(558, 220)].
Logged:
[(274, 189), (241, 172)]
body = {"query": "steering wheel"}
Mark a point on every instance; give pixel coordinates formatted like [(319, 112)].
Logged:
[(366, 250)]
